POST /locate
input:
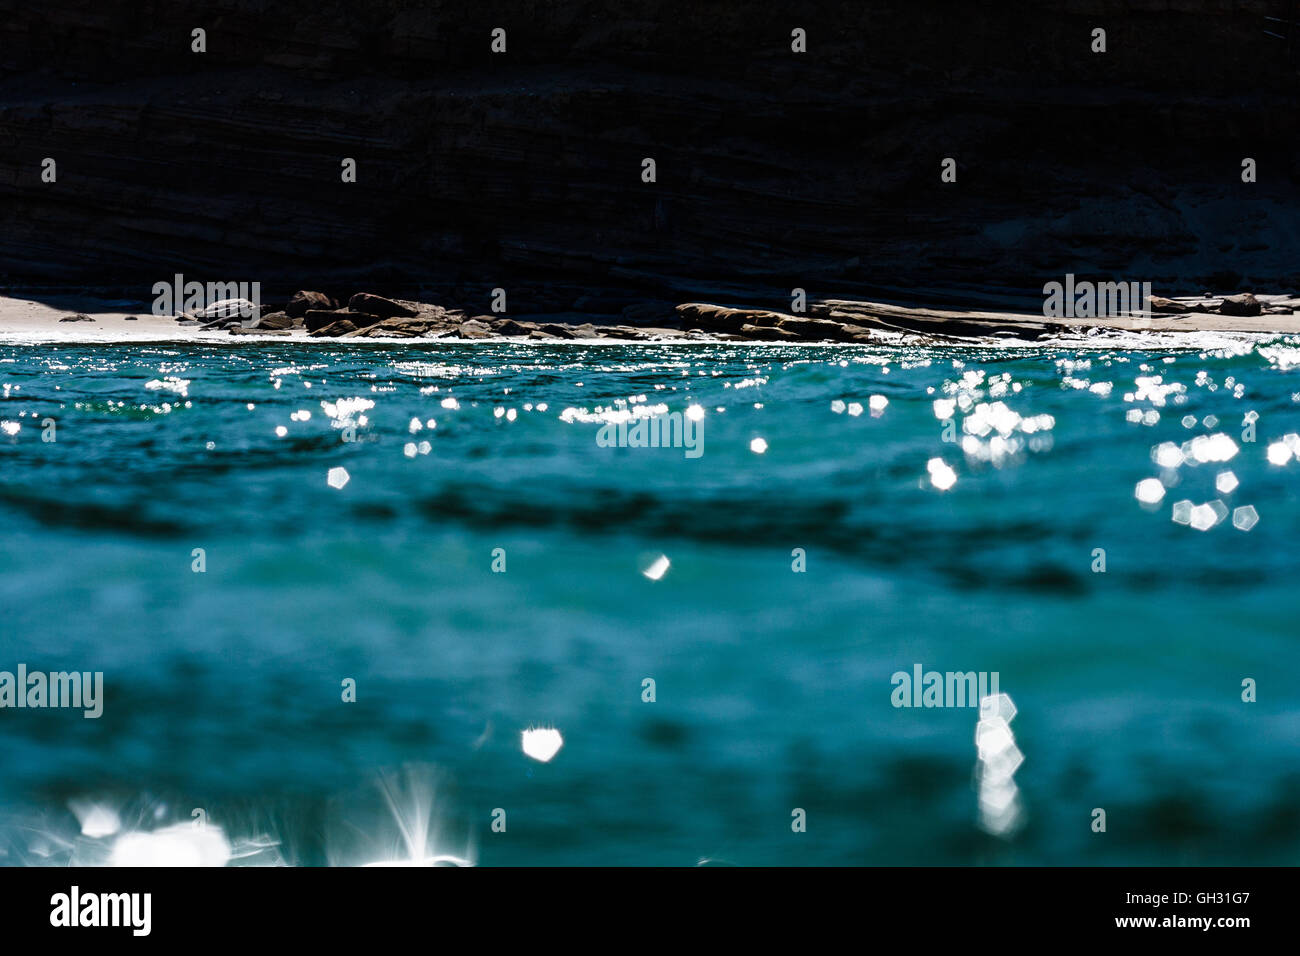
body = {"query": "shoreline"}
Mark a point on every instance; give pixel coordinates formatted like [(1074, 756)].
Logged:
[(86, 318)]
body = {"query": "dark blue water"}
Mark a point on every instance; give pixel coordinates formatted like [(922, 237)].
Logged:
[(772, 687)]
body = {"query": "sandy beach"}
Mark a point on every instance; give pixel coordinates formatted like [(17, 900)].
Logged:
[(31, 320)]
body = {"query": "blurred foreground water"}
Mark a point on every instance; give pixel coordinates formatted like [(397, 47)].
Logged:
[(970, 546)]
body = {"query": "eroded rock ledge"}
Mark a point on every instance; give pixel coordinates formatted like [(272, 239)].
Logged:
[(368, 315)]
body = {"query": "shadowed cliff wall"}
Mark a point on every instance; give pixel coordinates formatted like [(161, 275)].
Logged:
[(774, 168)]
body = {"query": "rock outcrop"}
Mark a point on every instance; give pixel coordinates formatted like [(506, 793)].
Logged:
[(379, 306), (277, 321), (1163, 306), (825, 320), (301, 302), (1243, 304), (522, 171)]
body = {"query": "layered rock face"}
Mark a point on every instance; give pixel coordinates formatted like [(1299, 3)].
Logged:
[(524, 170)]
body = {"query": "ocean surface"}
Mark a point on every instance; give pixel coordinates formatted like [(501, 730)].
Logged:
[(1112, 527)]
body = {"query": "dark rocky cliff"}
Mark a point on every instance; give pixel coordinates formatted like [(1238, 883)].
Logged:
[(523, 170)]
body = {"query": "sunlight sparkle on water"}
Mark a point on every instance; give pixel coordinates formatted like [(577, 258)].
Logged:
[(1149, 491), (1279, 453), (657, 568), (442, 859), (1245, 517), (999, 759), (1205, 448), (182, 844), (941, 474), (541, 743), (1167, 455), (96, 819)]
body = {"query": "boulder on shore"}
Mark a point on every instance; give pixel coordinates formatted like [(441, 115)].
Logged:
[(275, 321), (398, 327), (815, 329), (1160, 304), (334, 329), (222, 323), (301, 301), (228, 309), (720, 318), (769, 333), (379, 306), (511, 327), (1243, 304), (316, 319)]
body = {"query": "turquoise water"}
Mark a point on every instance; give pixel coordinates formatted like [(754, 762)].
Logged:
[(223, 689)]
